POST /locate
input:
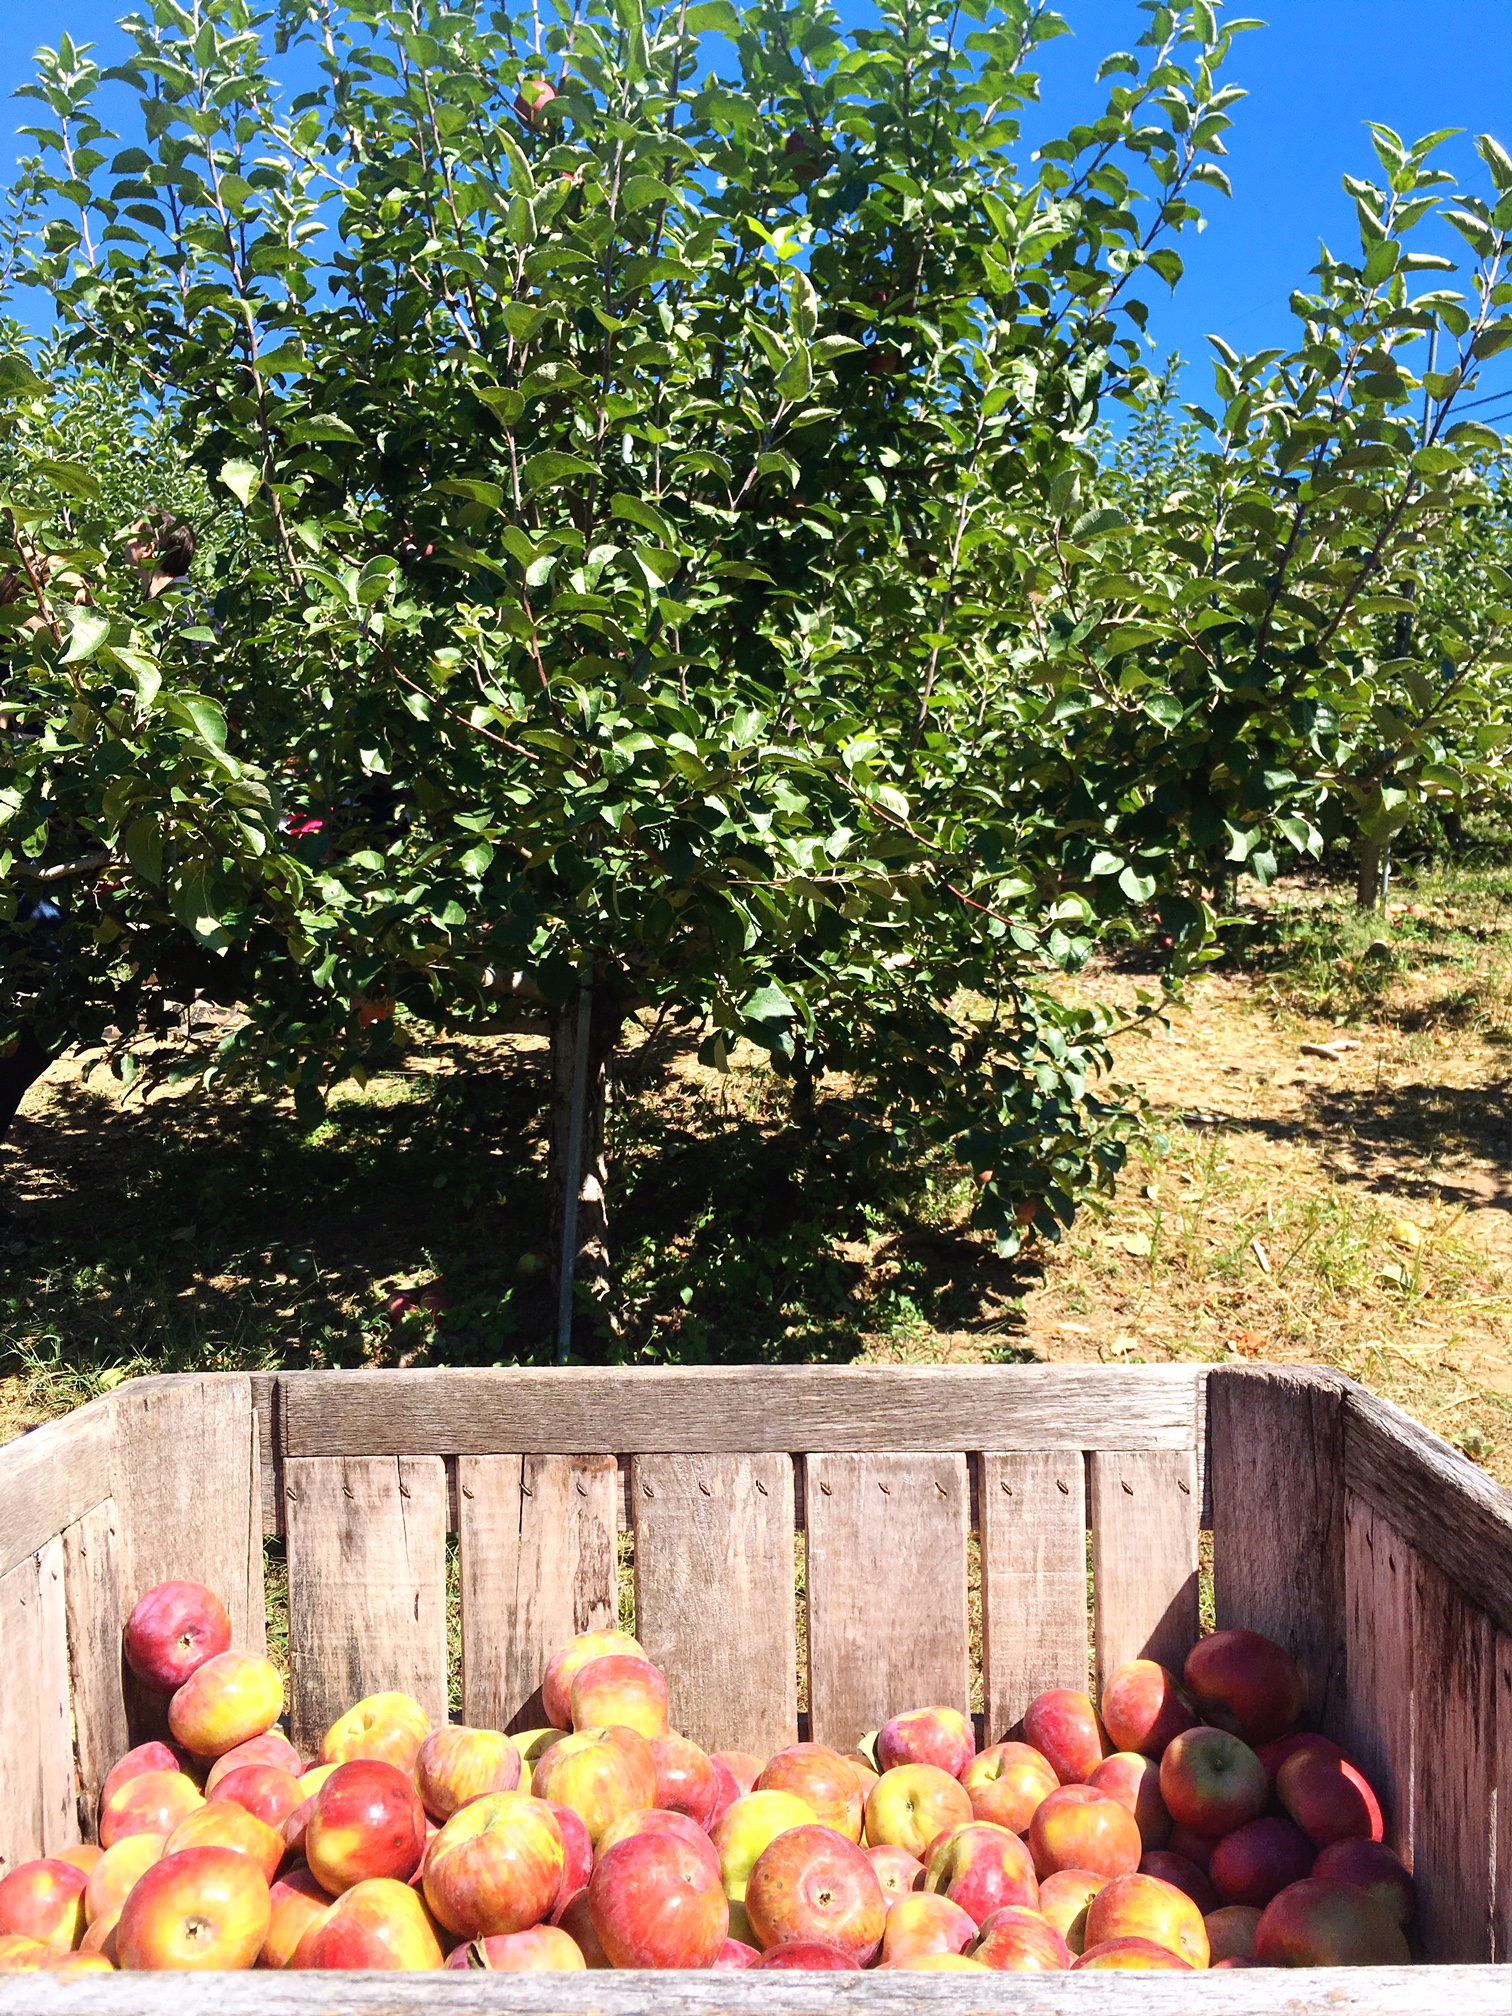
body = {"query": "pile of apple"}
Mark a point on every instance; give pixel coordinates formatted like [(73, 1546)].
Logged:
[(1186, 1825)]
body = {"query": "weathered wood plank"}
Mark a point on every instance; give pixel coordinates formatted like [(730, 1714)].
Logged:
[(266, 1402), (1438, 1499), (52, 1476), (1034, 1580), (887, 1626), (742, 1410), (367, 1584), (1501, 1773), (38, 1808), (1375, 1721), (92, 1597), (537, 1536), (1454, 1799), (1277, 1482), (714, 1602), (1340, 1991), (1145, 1511)]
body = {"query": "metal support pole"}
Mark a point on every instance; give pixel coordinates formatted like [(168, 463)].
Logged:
[(567, 1271)]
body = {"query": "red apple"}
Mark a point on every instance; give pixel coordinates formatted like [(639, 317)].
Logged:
[(145, 1757), (655, 1903), (804, 153), (911, 1804), (227, 1699), (367, 1822), (172, 1631), (811, 1956), (1263, 1856), (153, 1802), (270, 1748), (1007, 1783), (1372, 1866), (1231, 1933), (1143, 1907), (1134, 1781), (1079, 1828), (815, 1883), (1246, 1684), (939, 1736), (574, 1918), (981, 1867), (1320, 1923), (1064, 1727), (620, 1691), (556, 1688), (116, 1874), (455, 1764), (496, 1866), (1135, 1953), (1212, 1781), (535, 94), (926, 1923), (1063, 1901), (577, 1849), (896, 1870), (656, 1820), (1183, 1875), (207, 1908), (734, 1957), (1327, 1797), (540, 1949), (44, 1900), (378, 1923), (224, 1824), (686, 1781), (1191, 1846), (744, 1766), (271, 1794), (1016, 1940), (297, 1902), (824, 1779), (600, 1774), (1142, 1708)]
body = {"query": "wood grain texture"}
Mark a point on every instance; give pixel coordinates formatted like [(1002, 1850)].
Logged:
[(1501, 1773), (38, 1806), (1146, 1505), (1375, 1721), (367, 1585), (742, 1410), (1454, 1799), (714, 1602), (267, 1405), (1277, 1483), (887, 1626), (1445, 1506), (537, 1536), (1033, 1522), (1353, 1991), (92, 1602), (52, 1476)]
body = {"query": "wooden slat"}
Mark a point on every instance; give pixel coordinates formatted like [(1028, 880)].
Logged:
[(1454, 1802), (1145, 1509), (1277, 1447), (743, 1410), (886, 1589), (539, 1564), (367, 1584), (1446, 1507), (1501, 1774), (714, 1603), (92, 1593), (1342, 1991), (1374, 1721), (38, 1808), (1034, 1580), (266, 1403), (52, 1476)]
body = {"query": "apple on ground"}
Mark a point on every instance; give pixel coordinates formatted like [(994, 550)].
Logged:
[(224, 1824), (1063, 1901), (808, 1956), (911, 1804), (1372, 1866), (1016, 1940), (744, 1830), (896, 1870), (202, 1909), (1323, 1923), (822, 1778), (926, 1922), (539, 1949), (153, 1802), (367, 1822), (600, 1774), (811, 1883), (225, 1702), (556, 1688), (1080, 1828), (1134, 1781), (1328, 1797), (654, 1902), (1142, 1707), (1245, 1683), (377, 1924), (981, 1867), (44, 1900), (1065, 1728), (1231, 1932), (1007, 1783), (297, 1902), (1143, 1907), (455, 1764), (1259, 1859), (1183, 1874), (388, 1728), (172, 1631), (686, 1781), (262, 1789), (1213, 1781), (939, 1736), (496, 1866), (1131, 1953), (619, 1690)]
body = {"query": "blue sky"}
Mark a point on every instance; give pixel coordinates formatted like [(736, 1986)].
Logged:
[(1316, 74)]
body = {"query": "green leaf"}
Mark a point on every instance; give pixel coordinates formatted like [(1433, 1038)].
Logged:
[(767, 1004), (1138, 888), (87, 631), (191, 904), (241, 479), (545, 471), (144, 848), (17, 378), (714, 17), (71, 477), (502, 401)]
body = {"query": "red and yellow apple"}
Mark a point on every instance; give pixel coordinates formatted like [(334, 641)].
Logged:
[(1016, 1940), (619, 1690), (926, 1922), (654, 1820), (387, 1728), (153, 1802), (223, 1824), (271, 1748), (686, 1780), (1132, 1953), (496, 1866), (744, 1830), (824, 1779), (577, 1849), (296, 1902), (367, 1822), (204, 1909), (1007, 1782), (172, 1631), (939, 1736), (1328, 1797), (1323, 1923), (600, 1774), (1372, 1866), (145, 1757), (981, 1867), (911, 1804), (1064, 1727), (815, 1883), (734, 1957), (1142, 1907), (1134, 1781), (262, 1789), (541, 1949), (1080, 1828), (654, 1902), (896, 1870), (115, 1875), (378, 1923), (1063, 1901), (232, 1697), (1213, 1781), (1142, 1707), (807, 1956), (455, 1764), (44, 1900), (556, 1688)]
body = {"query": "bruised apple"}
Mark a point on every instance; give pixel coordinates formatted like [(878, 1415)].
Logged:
[(686, 1781), (496, 1866), (1006, 1783), (939, 1736), (912, 1803), (556, 1688), (223, 1824), (620, 1690), (367, 1822), (1142, 1708), (981, 1867), (455, 1764), (1245, 1683), (815, 1883), (654, 1902), (1016, 1940), (1142, 1907), (1134, 1781), (377, 1924), (153, 1802), (600, 1774), (172, 1631), (44, 1900), (1064, 1727), (388, 1728), (226, 1701), (824, 1779), (205, 1909), (1080, 1828)]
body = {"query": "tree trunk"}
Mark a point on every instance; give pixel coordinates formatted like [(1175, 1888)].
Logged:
[(1368, 875), (593, 1320)]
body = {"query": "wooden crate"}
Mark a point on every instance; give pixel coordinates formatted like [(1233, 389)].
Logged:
[(1072, 1498)]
